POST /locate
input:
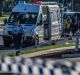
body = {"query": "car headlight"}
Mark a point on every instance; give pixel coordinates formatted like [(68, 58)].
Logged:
[(28, 33)]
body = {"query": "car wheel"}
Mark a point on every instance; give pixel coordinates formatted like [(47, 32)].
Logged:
[(6, 41)]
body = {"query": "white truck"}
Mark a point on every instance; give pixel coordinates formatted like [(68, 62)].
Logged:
[(33, 26), (55, 15)]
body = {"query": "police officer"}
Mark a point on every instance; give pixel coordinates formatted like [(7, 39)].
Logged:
[(17, 34), (79, 23), (72, 25), (67, 26)]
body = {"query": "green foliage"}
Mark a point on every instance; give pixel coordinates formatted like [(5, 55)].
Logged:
[(1, 7), (3, 17), (30, 1)]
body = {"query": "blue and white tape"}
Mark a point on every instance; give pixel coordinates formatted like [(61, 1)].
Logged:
[(38, 66)]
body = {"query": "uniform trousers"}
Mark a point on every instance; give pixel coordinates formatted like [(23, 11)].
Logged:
[(17, 40)]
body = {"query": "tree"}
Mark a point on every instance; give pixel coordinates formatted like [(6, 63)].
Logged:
[(30, 1), (1, 7)]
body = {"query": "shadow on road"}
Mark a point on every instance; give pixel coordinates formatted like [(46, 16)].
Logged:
[(5, 48)]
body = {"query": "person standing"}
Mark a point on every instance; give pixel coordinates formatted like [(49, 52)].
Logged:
[(73, 25), (79, 23), (76, 23), (67, 26), (17, 34)]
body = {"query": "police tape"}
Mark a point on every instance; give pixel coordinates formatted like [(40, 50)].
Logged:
[(37, 66)]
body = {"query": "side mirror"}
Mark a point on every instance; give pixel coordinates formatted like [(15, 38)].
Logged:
[(40, 23), (5, 21)]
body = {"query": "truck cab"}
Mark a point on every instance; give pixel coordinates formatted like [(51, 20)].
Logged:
[(30, 17)]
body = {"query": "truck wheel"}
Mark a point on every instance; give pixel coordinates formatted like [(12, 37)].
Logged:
[(6, 42), (36, 40)]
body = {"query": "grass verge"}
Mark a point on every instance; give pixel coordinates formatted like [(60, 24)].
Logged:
[(1, 27), (40, 49), (2, 18), (5, 16)]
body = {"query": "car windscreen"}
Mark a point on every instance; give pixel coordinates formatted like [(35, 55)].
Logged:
[(24, 18)]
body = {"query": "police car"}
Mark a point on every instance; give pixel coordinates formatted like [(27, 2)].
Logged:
[(30, 17)]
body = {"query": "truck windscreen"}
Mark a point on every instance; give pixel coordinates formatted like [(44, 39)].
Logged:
[(24, 18)]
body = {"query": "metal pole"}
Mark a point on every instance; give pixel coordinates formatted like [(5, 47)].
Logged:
[(62, 26), (63, 3), (77, 42), (72, 4)]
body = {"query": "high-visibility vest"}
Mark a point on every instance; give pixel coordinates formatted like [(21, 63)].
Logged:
[(67, 25)]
